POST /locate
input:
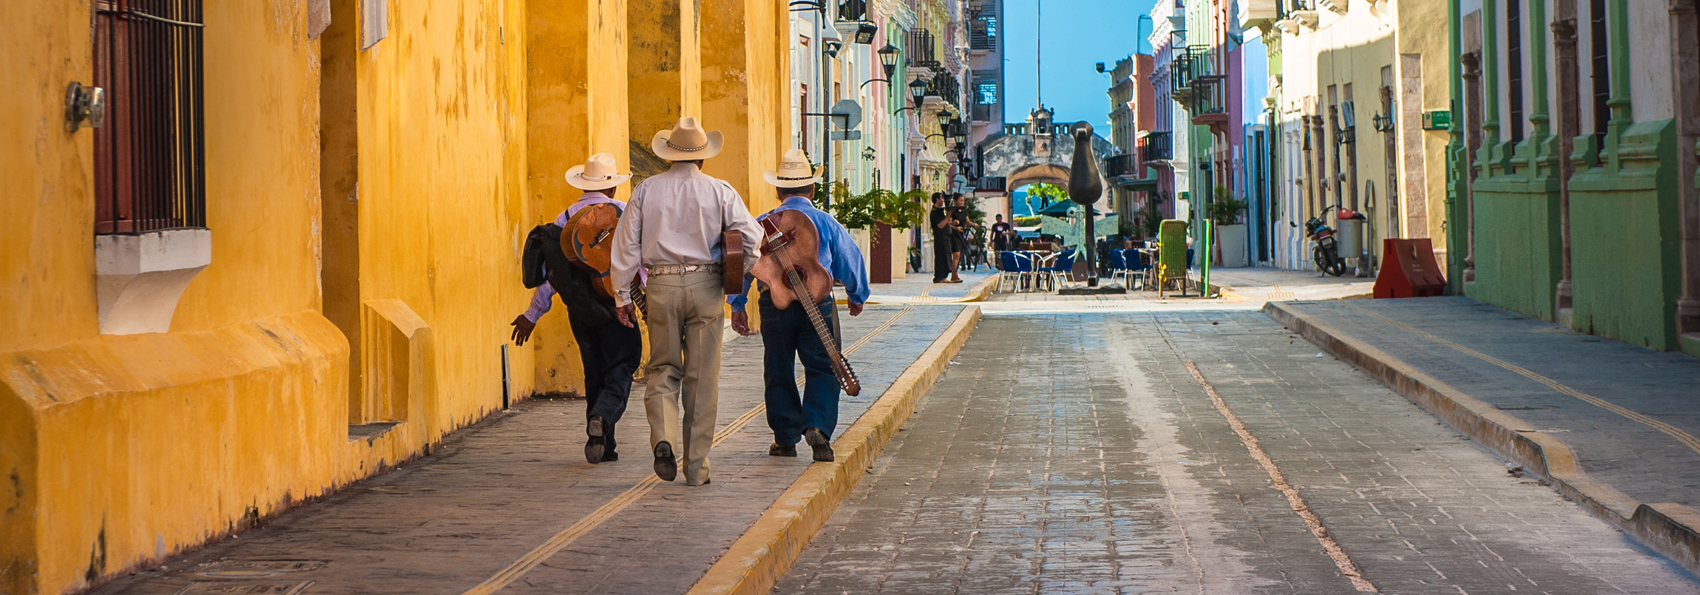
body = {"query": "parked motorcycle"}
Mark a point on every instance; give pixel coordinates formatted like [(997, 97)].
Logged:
[(1326, 253)]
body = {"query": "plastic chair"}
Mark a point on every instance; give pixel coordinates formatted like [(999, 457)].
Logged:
[(1118, 265), (1134, 260), (1016, 267), (1064, 265)]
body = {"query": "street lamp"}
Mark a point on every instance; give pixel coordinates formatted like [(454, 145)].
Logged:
[(888, 63), (868, 154), (917, 90), (888, 60), (831, 42)]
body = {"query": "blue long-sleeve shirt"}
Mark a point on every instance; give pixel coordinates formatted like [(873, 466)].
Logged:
[(838, 253)]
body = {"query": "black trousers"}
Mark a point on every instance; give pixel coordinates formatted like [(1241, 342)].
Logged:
[(610, 352), (943, 247)]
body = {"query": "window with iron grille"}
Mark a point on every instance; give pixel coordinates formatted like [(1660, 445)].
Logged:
[(1514, 64), (150, 154), (853, 10), (1600, 56)]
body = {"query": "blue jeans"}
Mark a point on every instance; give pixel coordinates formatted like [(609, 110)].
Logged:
[(788, 336)]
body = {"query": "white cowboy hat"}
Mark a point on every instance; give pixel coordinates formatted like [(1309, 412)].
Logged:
[(685, 142), (793, 172), (598, 173)]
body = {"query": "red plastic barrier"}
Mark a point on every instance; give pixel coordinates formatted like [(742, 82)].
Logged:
[(1408, 269)]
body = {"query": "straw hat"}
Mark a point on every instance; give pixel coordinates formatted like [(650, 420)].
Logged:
[(793, 172), (685, 142), (598, 173)]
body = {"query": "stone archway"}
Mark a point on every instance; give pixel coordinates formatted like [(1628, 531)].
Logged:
[(1038, 152)]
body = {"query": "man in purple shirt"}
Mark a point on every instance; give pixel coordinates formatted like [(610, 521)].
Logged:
[(609, 350), (788, 336)]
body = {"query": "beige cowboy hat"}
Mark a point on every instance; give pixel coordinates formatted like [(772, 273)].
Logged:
[(598, 173), (793, 172), (685, 142)]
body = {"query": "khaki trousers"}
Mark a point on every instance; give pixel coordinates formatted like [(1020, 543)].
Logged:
[(686, 321)]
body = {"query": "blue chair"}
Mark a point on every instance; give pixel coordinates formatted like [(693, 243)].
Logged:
[(1063, 265), (1189, 258), (1016, 268), (1118, 265), (1135, 266)]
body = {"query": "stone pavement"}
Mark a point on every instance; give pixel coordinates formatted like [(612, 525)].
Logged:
[(1244, 289), (918, 288), (493, 494), (1627, 413), (1074, 452), (1270, 284)]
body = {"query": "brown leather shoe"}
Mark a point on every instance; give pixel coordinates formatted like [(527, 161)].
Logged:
[(666, 466)]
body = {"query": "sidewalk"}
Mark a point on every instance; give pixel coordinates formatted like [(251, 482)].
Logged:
[(510, 504), (918, 288), (1611, 425), (1268, 284)]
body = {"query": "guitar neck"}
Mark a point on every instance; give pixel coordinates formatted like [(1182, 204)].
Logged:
[(828, 339)]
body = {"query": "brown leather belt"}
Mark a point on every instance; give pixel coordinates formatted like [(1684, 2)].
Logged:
[(681, 269)]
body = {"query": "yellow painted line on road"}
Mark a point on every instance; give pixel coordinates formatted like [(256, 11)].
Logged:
[(1684, 437), (1342, 561), (607, 511)]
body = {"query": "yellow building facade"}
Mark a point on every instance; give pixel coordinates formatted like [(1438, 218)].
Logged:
[(371, 170)]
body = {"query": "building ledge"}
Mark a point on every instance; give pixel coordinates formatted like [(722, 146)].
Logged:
[(141, 276)]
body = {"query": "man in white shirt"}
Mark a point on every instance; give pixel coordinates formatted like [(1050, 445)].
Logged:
[(672, 229), (609, 350)]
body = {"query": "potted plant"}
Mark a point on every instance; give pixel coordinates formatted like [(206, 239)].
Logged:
[(875, 214), (1230, 235)]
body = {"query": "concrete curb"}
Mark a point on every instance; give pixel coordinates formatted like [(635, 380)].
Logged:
[(980, 292), (758, 559), (1668, 528)]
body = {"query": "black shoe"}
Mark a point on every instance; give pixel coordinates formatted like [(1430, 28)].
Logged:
[(610, 457), (666, 467), (782, 450), (595, 450), (817, 440)]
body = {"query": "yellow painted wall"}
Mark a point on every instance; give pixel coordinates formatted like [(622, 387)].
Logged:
[(576, 65), (123, 449), (447, 145)]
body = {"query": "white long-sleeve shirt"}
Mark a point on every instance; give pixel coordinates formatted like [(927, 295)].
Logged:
[(676, 218), (543, 297)]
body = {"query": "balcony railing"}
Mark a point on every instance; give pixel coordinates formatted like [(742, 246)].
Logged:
[(945, 87), (923, 49), (982, 30), (1121, 165), (981, 113), (1156, 146), (853, 10), (991, 184)]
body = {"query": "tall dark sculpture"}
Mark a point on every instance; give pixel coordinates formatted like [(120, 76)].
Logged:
[(1085, 185)]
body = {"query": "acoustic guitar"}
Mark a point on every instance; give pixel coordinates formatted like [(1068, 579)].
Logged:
[(588, 241), (790, 265)]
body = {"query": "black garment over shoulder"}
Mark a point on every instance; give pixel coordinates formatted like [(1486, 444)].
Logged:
[(572, 283)]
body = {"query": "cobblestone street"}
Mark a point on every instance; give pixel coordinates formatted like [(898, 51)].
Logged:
[(1079, 453)]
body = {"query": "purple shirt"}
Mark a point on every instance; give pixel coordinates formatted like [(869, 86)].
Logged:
[(543, 297)]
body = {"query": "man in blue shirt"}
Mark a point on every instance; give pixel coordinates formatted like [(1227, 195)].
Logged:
[(787, 334)]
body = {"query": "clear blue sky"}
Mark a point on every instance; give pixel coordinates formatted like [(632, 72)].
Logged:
[(1078, 34)]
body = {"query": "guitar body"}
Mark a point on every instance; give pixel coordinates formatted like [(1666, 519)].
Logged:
[(790, 265), (804, 248), (588, 241), (732, 262)]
